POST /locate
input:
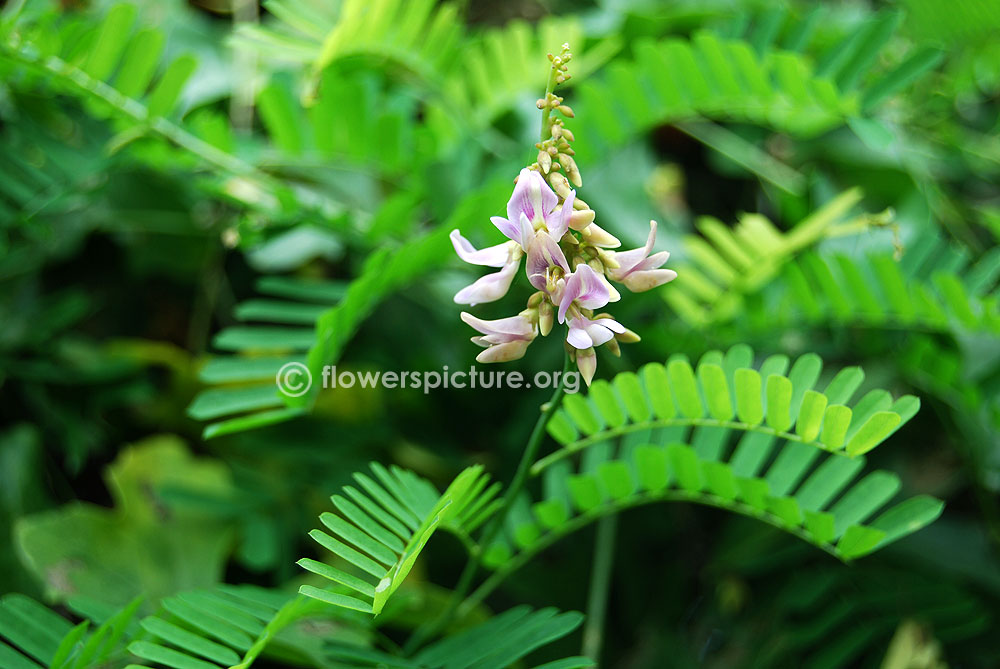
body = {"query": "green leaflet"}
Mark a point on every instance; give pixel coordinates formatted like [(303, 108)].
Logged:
[(786, 407), (826, 505), (383, 529)]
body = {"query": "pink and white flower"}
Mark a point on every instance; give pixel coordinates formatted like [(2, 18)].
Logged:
[(491, 287), (638, 270), (585, 288), (532, 206), (505, 339), (587, 333)]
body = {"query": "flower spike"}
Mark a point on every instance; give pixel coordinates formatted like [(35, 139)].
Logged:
[(569, 258)]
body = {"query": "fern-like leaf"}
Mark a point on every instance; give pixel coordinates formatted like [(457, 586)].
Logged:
[(727, 394), (382, 530), (811, 495), (499, 642), (46, 639)]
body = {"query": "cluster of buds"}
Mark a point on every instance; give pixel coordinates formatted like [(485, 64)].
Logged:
[(570, 260)]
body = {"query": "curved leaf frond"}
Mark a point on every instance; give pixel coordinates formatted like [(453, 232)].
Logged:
[(383, 527), (815, 496), (726, 394), (726, 264)]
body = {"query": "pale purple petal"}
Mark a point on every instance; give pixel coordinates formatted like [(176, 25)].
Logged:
[(493, 256), (531, 197), (509, 229), (489, 288), (543, 253), (630, 260), (611, 324), (558, 223), (593, 294), (513, 327)]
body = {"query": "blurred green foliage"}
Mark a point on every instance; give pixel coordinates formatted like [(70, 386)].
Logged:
[(193, 194)]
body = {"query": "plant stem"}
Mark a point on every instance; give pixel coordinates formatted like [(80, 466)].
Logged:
[(550, 86), (516, 485), (600, 586)]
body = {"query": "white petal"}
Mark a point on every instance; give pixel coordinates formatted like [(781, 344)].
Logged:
[(493, 256)]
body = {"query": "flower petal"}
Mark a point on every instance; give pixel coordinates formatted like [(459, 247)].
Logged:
[(630, 260), (511, 327), (489, 288), (643, 280), (506, 352), (593, 294), (492, 256), (543, 253), (558, 223), (578, 337), (531, 197)]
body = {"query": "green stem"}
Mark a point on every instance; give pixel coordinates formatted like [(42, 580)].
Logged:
[(550, 86), (425, 632), (600, 586)]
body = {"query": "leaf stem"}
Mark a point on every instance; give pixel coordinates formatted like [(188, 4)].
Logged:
[(516, 485), (600, 585)]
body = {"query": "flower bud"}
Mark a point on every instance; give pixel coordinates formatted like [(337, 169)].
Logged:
[(586, 362), (559, 184), (579, 220), (557, 130), (572, 171), (545, 318), (568, 134), (565, 109), (628, 337), (612, 346), (608, 258), (596, 235), (535, 299), (544, 160), (580, 204)]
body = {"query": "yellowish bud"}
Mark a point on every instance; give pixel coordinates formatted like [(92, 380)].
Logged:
[(580, 219), (545, 318), (572, 171), (566, 110), (545, 160), (628, 337), (559, 184)]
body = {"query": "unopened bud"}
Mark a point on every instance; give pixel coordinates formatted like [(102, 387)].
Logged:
[(608, 258), (545, 318), (541, 103), (597, 236), (568, 134), (557, 130), (535, 299), (580, 219), (559, 184), (572, 171), (545, 161), (586, 362), (628, 337), (612, 345), (566, 110), (580, 204)]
